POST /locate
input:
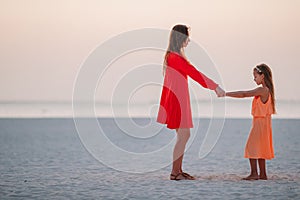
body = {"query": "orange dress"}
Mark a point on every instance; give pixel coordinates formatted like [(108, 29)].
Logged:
[(260, 144), (175, 108)]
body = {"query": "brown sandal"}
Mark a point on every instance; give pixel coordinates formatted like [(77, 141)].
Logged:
[(188, 176), (177, 177), (181, 176)]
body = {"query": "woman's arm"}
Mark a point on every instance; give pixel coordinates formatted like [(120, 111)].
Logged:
[(196, 75), (260, 91)]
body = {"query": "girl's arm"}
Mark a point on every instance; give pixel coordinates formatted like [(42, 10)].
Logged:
[(260, 91)]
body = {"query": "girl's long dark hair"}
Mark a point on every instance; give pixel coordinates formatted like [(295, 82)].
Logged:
[(178, 36), (265, 69)]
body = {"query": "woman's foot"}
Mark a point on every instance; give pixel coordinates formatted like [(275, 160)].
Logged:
[(188, 176), (251, 177), (181, 176), (177, 177)]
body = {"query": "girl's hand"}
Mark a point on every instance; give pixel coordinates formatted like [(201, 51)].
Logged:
[(220, 92)]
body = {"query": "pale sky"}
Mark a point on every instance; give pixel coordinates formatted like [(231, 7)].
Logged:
[(43, 43)]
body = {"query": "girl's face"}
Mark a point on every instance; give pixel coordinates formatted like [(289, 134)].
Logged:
[(186, 42), (258, 78)]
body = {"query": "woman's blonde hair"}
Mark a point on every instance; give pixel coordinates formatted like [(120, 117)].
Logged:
[(178, 36)]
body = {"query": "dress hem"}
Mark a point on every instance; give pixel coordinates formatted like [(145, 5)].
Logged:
[(167, 125), (257, 157)]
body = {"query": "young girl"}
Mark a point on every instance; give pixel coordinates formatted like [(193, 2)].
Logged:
[(175, 110), (259, 146)]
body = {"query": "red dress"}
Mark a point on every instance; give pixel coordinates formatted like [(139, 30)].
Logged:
[(175, 108)]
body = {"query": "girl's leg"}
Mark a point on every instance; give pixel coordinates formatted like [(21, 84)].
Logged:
[(253, 175), (262, 169), (183, 135)]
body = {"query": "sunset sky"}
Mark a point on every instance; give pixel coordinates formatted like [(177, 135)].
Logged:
[(44, 43)]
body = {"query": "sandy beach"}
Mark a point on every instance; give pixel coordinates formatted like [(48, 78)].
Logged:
[(44, 158)]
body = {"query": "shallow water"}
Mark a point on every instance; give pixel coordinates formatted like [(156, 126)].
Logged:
[(44, 158)]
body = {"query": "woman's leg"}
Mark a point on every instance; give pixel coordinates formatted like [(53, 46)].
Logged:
[(262, 169), (253, 175), (183, 135)]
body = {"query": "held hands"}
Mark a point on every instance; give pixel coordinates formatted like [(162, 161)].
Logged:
[(220, 92)]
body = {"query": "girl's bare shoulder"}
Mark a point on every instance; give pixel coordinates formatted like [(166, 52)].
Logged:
[(264, 91)]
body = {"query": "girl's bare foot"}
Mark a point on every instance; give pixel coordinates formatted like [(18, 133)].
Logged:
[(263, 177), (251, 177)]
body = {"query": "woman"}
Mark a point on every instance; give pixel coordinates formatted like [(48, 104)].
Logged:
[(175, 109)]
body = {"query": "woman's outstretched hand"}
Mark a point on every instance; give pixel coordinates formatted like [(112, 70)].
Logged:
[(220, 92)]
